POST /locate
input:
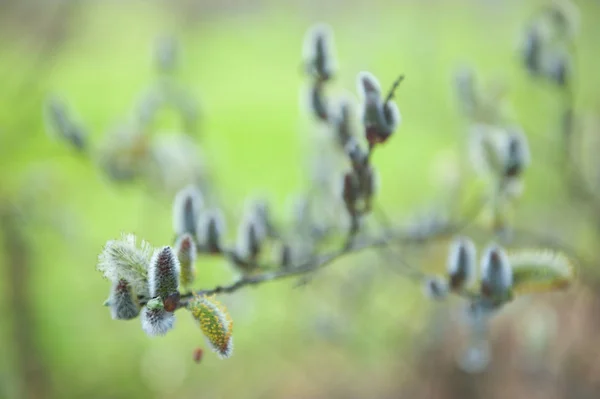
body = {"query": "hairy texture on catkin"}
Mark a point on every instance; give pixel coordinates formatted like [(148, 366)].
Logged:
[(122, 259), (156, 321), (185, 248), (215, 323), (461, 263), (211, 229), (318, 53), (186, 210), (163, 273), (123, 301), (496, 273)]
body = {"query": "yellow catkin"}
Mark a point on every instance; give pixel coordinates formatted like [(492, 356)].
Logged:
[(215, 323)]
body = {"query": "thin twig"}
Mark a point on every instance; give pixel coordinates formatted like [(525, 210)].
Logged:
[(392, 90)]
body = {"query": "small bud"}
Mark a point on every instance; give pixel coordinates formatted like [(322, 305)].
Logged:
[(517, 154), (318, 52), (250, 236), (496, 274), (198, 353), (122, 259), (436, 288), (123, 301), (461, 263), (171, 302), (185, 248), (380, 117), (215, 323), (163, 273), (536, 271), (186, 210), (156, 320), (532, 50), (211, 229), (263, 216)]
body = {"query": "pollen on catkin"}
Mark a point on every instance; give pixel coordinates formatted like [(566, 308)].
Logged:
[(156, 321), (215, 323), (461, 263), (163, 273), (186, 210), (185, 248), (123, 301)]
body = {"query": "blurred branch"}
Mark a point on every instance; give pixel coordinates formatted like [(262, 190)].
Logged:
[(30, 367)]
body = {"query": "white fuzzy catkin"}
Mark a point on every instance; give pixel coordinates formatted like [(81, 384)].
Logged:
[(318, 50), (496, 271), (250, 236), (186, 210), (211, 229), (461, 262), (156, 321), (163, 273), (123, 259), (123, 301)]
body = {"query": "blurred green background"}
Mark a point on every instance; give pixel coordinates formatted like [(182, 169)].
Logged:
[(354, 331)]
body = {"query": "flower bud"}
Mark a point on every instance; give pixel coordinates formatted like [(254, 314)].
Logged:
[(532, 51), (211, 229), (156, 320), (318, 52), (250, 237), (163, 273), (185, 248), (461, 263), (380, 117), (436, 288), (496, 274), (186, 210), (517, 154), (123, 301), (215, 323)]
